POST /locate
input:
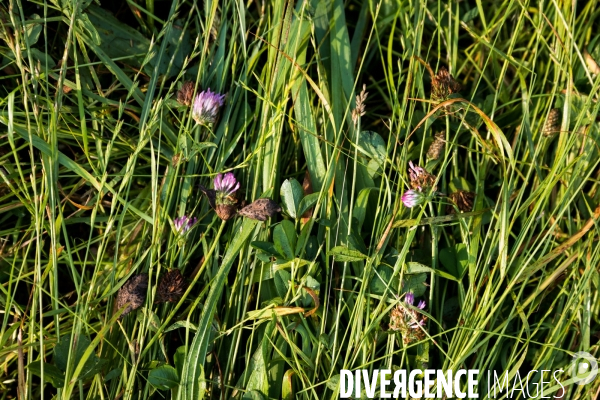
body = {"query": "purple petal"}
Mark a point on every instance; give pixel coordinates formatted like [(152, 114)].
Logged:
[(421, 304), (218, 182), (409, 298)]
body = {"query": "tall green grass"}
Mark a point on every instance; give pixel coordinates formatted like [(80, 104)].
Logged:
[(98, 158)]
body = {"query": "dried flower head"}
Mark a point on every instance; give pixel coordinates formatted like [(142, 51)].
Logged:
[(260, 209), (132, 294), (463, 201), (436, 148), (360, 109), (412, 198), (184, 223), (186, 93), (206, 107), (226, 211), (408, 321), (171, 287), (443, 85), (420, 179), (552, 124)]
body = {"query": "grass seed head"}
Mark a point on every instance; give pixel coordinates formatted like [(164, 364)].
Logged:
[(361, 106), (552, 124), (436, 148)]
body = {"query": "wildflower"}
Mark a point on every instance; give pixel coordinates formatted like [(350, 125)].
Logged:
[(184, 223), (412, 198), (206, 107), (462, 199), (225, 186), (185, 94), (408, 321), (437, 146), (552, 124), (260, 209), (420, 179), (443, 85), (171, 286), (132, 294)]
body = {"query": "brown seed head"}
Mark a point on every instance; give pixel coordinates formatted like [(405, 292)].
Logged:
[(226, 211), (462, 199), (171, 287), (185, 94), (443, 85), (360, 109), (132, 293)]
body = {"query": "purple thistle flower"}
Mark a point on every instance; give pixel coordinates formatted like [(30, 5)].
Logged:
[(412, 198), (206, 107), (226, 185), (421, 304), (409, 298), (184, 223)]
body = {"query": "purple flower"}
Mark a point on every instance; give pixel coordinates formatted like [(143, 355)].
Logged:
[(226, 185), (412, 198), (409, 298), (184, 223), (421, 304), (206, 107), (415, 171)]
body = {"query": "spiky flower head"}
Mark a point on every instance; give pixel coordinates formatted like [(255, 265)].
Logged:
[(225, 186), (184, 223), (409, 321), (206, 107), (420, 179), (412, 198), (443, 85), (360, 109)]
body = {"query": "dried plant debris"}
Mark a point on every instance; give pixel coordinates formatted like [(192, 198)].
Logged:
[(186, 93), (260, 209), (132, 293), (436, 148), (463, 201), (308, 189), (552, 124), (171, 286), (443, 85)]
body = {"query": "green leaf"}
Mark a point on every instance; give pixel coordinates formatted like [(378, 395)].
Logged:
[(33, 30), (415, 284), (307, 202), (382, 279), (343, 254), (291, 194), (372, 145), (266, 247), (417, 268), (179, 358), (287, 390), (284, 236), (181, 324), (52, 374), (112, 374), (253, 395), (164, 377), (455, 259)]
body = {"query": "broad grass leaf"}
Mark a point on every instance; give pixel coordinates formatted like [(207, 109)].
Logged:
[(253, 395), (164, 377), (292, 194), (343, 254), (287, 389)]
